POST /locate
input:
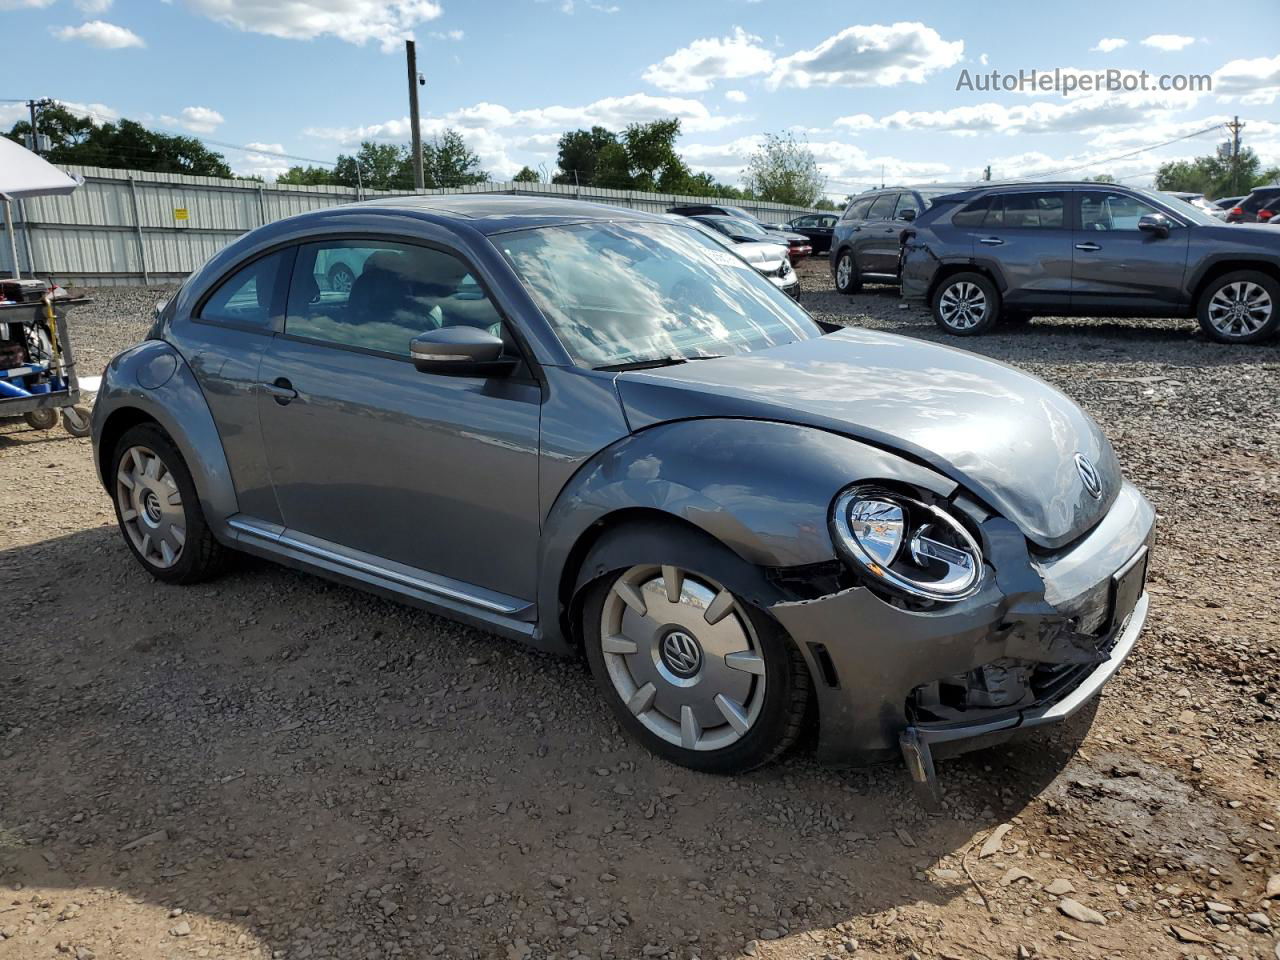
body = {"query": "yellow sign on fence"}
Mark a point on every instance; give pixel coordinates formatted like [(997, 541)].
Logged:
[(180, 213)]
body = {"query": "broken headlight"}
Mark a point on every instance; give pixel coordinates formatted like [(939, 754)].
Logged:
[(905, 544)]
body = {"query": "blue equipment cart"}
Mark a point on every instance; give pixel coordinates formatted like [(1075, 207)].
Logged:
[(37, 366)]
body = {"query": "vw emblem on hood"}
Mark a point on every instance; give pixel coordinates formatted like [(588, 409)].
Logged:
[(681, 654), (1089, 476)]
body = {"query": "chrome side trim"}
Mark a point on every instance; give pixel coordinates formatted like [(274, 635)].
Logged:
[(277, 535)]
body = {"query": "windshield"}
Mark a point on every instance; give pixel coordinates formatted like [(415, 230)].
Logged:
[(746, 228), (621, 292)]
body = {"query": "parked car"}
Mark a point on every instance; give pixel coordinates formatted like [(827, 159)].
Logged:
[(1084, 249), (771, 259), (1226, 203), (866, 240), (1258, 207), (1198, 201), (718, 210), (657, 462), (818, 227), (748, 231)]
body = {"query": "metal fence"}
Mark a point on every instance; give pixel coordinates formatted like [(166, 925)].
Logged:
[(130, 227)]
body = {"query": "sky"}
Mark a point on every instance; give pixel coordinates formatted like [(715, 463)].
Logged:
[(892, 92)]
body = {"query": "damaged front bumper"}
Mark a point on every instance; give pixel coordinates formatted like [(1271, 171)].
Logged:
[(1034, 645)]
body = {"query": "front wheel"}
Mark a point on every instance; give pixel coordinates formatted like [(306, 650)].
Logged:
[(1240, 307), (691, 671), (966, 304), (847, 279)]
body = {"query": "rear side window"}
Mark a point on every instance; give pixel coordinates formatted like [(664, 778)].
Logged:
[(1015, 210), (858, 209), (395, 293), (252, 296), (882, 209), (973, 214)]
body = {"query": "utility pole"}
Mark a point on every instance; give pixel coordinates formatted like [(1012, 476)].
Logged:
[(1235, 126), (35, 134), (411, 55)]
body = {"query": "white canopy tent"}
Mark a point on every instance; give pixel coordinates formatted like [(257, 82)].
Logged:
[(25, 174)]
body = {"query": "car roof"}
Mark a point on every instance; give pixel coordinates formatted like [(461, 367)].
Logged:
[(488, 213)]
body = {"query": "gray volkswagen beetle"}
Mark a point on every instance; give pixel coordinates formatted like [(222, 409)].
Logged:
[(601, 433)]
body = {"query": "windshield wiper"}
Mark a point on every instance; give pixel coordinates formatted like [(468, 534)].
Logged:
[(647, 363)]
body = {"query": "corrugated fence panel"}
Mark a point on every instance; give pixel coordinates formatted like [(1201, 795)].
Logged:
[(94, 236)]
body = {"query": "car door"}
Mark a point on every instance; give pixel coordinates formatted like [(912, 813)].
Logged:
[(806, 227), (222, 342), (822, 232), (435, 473), (1023, 239), (876, 248), (1116, 266)]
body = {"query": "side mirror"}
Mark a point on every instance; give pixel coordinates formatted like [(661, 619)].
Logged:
[(460, 352), (907, 214), (1156, 223)]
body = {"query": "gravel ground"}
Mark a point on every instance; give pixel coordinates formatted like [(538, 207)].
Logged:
[(274, 766)]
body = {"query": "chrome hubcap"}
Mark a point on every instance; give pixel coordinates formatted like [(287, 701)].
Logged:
[(683, 657), (1239, 309), (962, 305), (844, 270), (150, 507)]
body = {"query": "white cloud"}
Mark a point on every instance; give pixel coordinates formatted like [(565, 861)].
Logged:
[(201, 119), (388, 22), (1109, 44), (454, 35), (736, 96), (261, 161), (25, 4), (695, 68), (93, 7), (870, 55), (858, 121), (99, 33), (1255, 81), (1168, 41), (983, 59)]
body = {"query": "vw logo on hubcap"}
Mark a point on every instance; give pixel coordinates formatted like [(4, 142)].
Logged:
[(1089, 476), (681, 654)]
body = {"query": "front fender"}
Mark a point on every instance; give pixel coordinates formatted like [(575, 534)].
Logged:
[(152, 380), (763, 489)]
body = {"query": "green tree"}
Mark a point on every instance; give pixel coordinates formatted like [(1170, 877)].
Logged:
[(375, 166), (1101, 178), (527, 175), (119, 144), (309, 176), (1215, 176), (579, 154), (652, 161), (783, 170), (447, 161)]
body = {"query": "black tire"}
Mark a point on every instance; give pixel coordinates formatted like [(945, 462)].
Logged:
[(46, 418), (958, 288), (782, 713), (1221, 328), (853, 282), (75, 420), (201, 556)]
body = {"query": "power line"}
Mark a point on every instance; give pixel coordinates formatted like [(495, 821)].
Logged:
[(1124, 156)]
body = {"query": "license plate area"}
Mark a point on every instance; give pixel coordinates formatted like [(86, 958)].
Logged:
[(1127, 585)]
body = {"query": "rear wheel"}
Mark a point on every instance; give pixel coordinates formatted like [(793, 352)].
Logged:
[(158, 510), (46, 418), (691, 671), (1241, 307), (966, 304), (341, 277), (847, 279)]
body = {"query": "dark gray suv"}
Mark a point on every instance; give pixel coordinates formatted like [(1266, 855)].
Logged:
[(1012, 251), (866, 239)]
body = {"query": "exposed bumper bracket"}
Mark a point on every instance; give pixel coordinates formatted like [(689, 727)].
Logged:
[(919, 759)]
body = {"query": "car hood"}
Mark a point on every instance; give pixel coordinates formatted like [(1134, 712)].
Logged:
[(761, 253), (1006, 436)]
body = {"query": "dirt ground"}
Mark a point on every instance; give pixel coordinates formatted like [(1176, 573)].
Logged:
[(270, 765)]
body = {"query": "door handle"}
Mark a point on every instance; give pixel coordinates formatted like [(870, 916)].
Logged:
[(1089, 246), (281, 391), (992, 241)]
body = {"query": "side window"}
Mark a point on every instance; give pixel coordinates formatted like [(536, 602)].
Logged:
[(882, 209), (805, 222), (1100, 210), (973, 214), (858, 209), (906, 201), (827, 222), (379, 296), (252, 296), (1028, 211)]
